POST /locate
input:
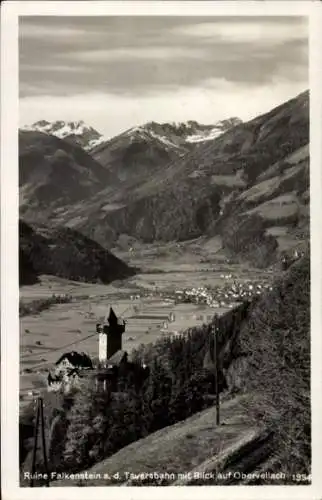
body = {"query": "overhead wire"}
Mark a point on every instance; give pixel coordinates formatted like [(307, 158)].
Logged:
[(43, 363), (78, 341), (59, 348)]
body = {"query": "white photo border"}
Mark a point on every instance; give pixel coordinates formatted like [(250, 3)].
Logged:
[(11, 11)]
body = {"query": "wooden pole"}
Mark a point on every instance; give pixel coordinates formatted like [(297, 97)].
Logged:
[(216, 360), (44, 439), (33, 468)]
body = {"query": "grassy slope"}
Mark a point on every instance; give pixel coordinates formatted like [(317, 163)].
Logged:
[(178, 448)]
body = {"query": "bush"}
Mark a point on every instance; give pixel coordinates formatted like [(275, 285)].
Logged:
[(36, 306)]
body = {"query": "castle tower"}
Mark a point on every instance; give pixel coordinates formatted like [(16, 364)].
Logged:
[(110, 336)]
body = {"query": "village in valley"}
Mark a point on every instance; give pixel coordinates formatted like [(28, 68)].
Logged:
[(99, 341)]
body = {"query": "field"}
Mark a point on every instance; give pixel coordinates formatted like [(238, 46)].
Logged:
[(145, 301)]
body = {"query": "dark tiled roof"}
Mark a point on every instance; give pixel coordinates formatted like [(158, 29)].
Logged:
[(79, 360), (112, 319), (117, 358)]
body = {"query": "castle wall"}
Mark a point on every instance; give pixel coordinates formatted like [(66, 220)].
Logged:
[(109, 344), (114, 343), (102, 347)]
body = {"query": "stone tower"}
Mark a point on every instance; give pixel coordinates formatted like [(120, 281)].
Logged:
[(110, 336)]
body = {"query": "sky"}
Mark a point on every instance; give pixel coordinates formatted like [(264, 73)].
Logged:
[(118, 72)]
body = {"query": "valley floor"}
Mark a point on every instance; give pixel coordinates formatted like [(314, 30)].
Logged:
[(145, 301)]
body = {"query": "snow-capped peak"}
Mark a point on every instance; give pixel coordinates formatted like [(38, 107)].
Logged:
[(78, 131), (152, 131), (60, 128), (175, 134), (202, 133)]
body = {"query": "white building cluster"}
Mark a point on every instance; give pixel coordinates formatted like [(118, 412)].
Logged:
[(224, 296)]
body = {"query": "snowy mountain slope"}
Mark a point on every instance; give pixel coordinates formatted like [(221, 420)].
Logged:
[(202, 134), (73, 131), (177, 135), (192, 131), (170, 135)]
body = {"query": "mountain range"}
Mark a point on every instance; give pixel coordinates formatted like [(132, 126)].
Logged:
[(172, 134), (72, 131), (165, 182)]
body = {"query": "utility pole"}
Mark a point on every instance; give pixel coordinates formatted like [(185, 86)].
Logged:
[(44, 439), (39, 416), (216, 361), (33, 467)]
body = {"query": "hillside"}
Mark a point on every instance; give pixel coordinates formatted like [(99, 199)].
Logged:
[(65, 253), (265, 417), (53, 174), (179, 450), (186, 198), (273, 359), (147, 149), (138, 152)]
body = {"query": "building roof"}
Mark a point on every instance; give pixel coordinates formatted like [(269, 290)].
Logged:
[(79, 360), (112, 318), (117, 358)]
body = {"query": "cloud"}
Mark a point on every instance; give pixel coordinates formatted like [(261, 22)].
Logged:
[(111, 114), (138, 71), (51, 68), (115, 72), (136, 55), (36, 31), (245, 32), (128, 54)]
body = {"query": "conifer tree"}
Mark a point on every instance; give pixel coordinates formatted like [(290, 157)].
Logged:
[(80, 429)]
